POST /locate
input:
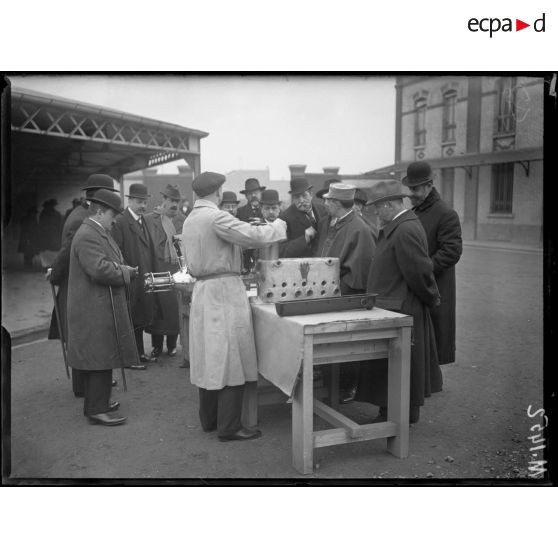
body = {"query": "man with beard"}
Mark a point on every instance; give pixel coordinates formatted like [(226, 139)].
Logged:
[(100, 335), (401, 275), (222, 346), (443, 233), (230, 203), (61, 265), (134, 239), (302, 218), (346, 236), (166, 316)]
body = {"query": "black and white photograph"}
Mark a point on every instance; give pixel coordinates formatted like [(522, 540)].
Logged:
[(232, 277)]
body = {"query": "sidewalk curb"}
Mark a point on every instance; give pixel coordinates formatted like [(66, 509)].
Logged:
[(513, 248)]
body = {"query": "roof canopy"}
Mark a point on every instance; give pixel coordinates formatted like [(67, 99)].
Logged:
[(60, 141)]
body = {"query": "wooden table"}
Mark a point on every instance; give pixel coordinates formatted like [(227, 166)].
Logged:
[(347, 337)]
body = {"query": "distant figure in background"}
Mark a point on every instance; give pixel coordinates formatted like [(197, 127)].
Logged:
[(29, 237), (166, 317), (302, 217), (50, 231), (443, 233), (132, 234), (183, 211), (230, 203), (361, 200), (61, 265), (75, 203), (271, 208)]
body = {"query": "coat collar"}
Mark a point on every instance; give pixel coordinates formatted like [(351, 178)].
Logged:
[(392, 225), (135, 227), (345, 220), (430, 200), (104, 234)]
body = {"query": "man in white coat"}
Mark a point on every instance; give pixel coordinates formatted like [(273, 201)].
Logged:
[(222, 346)]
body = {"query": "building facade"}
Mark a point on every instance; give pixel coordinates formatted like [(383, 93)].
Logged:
[(483, 136)]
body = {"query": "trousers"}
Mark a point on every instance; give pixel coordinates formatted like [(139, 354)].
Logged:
[(157, 341), (97, 386), (221, 409), (77, 382)]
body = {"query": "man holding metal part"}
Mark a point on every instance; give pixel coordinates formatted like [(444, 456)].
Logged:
[(58, 274), (100, 332), (222, 346)]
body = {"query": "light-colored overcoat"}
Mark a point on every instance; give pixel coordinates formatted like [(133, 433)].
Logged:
[(222, 347), (95, 264)]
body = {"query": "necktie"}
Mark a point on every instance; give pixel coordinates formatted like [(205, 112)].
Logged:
[(311, 218)]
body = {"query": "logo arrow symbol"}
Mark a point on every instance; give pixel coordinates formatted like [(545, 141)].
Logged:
[(519, 25)]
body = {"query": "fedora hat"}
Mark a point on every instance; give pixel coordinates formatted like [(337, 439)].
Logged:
[(138, 191), (172, 192), (270, 197), (251, 185), (207, 182), (108, 199), (418, 173), (360, 196), (341, 192), (320, 193), (229, 197), (99, 181), (299, 185), (386, 190)]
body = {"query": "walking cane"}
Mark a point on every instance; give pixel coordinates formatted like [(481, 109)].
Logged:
[(118, 341), (60, 332)]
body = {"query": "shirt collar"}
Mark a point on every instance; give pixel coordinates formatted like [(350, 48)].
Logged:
[(134, 214), (401, 212)]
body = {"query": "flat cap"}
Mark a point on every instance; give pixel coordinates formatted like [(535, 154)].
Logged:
[(207, 182)]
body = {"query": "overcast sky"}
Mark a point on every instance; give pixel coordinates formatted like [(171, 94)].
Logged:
[(256, 122)]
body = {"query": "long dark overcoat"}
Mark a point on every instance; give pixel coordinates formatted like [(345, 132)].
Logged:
[(297, 222), (95, 264), (137, 249), (352, 242), (61, 269), (50, 229), (166, 315), (401, 275), (443, 233)]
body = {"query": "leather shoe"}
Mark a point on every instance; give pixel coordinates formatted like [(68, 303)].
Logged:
[(145, 358), (184, 364), (241, 435), (156, 352), (104, 419), (137, 367), (172, 352), (114, 383), (113, 405)]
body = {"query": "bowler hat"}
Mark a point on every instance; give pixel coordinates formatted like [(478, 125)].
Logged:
[(341, 192), (207, 182), (99, 181), (138, 191), (299, 185), (386, 190), (270, 197), (229, 197), (251, 185), (360, 196), (172, 192), (418, 173), (320, 193), (50, 202), (108, 199)]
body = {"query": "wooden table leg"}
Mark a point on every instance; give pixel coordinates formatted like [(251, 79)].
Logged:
[(398, 391), (302, 418), (250, 405)]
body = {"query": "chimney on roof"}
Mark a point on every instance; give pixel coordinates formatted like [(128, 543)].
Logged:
[(297, 170), (331, 170)]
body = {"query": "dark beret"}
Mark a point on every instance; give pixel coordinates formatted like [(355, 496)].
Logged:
[(207, 182)]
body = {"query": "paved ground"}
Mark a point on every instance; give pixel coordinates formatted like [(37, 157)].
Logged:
[(476, 428)]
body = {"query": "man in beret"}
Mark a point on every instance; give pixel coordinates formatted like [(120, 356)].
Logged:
[(443, 233), (60, 269), (222, 346), (134, 238), (302, 218), (401, 275), (230, 203), (344, 235), (100, 335), (166, 317)]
